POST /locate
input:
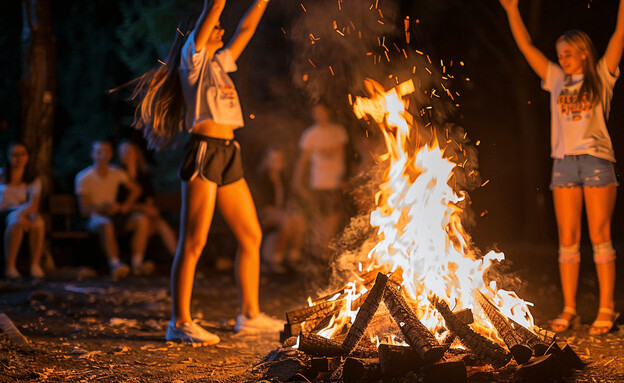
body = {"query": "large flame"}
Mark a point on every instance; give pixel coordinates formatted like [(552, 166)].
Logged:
[(418, 216)]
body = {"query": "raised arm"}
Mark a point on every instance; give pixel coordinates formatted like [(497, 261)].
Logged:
[(247, 27), (534, 56), (207, 22), (613, 54)]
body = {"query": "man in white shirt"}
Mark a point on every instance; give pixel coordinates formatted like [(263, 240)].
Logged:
[(96, 188)]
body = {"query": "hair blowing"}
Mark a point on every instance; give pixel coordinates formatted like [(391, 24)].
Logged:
[(160, 107), (591, 88)]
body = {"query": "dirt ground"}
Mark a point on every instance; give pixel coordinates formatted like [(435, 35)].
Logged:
[(96, 330)]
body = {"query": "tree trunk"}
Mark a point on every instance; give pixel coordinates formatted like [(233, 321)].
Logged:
[(38, 89)]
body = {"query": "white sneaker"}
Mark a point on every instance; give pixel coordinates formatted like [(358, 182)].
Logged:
[(261, 323), (119, 271), (190, 332), (12, 273), (36, 271)]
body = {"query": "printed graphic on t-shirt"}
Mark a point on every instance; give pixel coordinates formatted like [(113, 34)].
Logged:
[(227, 94), (573, 109)]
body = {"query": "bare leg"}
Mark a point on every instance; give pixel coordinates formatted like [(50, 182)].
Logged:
[(106, 233), (568, 208), (13, 236), (236, 205), (198, 202), (140, 226), (36, 236), (599, 205)]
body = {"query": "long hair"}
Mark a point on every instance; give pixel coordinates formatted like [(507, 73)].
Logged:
[(160, 107), (29, 173), (591, 88)]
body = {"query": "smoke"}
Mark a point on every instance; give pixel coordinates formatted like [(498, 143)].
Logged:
[(337, 44)]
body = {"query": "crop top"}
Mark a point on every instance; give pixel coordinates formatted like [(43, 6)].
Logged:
[(208, 90)]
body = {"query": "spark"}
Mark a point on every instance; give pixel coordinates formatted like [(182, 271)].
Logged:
[(419, 52), (340, 33), (485, 183), (310, 61), (162, 62), (180, 32), (303, 7), (331, 70)]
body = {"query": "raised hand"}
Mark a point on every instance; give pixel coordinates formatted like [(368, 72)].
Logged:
[(509, 4)]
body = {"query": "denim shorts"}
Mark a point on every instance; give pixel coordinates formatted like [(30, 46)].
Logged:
[(582, 170)]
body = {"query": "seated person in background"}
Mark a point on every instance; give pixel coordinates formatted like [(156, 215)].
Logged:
[(280, 216), (20, 191), (96, 188), (133, 162)]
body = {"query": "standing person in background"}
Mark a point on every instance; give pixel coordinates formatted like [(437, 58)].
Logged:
[(133, 162), (97, 187), (581, 88), (20, 192), (323, 150), (194, 90)]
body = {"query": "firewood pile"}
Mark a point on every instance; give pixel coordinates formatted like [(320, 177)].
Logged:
[(530, 354)]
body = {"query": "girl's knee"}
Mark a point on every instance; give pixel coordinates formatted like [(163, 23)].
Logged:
[(603, 253)]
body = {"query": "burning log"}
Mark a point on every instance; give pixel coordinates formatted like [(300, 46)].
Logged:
[(398, 360), (486, 350), (366, 312), (313, 344), (537, 343), (516, 344), (416, 334), (312, 312)]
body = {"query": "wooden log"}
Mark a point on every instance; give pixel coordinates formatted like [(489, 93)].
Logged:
[(464, 315), (545, 368), (396, 360), (317, 311), (325, 364), (313, 344), (450, 371), (530, 338), (486, 350), (416, 334), (366, 312), (519, 350), (357, 370)]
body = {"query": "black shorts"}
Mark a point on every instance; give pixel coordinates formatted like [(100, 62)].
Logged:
[(212, 159)]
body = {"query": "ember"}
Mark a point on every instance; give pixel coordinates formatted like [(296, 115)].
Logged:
[(421, 301)]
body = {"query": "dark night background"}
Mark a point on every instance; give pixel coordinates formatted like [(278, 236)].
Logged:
[(102, 44)]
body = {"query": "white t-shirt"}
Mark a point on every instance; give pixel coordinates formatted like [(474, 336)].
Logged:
[(577, 127), (208, 90), (100, 190), (15, 195), (327, 155)]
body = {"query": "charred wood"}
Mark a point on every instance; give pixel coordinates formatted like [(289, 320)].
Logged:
[(416, 334), (486, 350), (545, 368), (398, 360), (313, 344), (451, 371), (325, 364), (357, 370), (310, 313), (517, 345), (366, 312)]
